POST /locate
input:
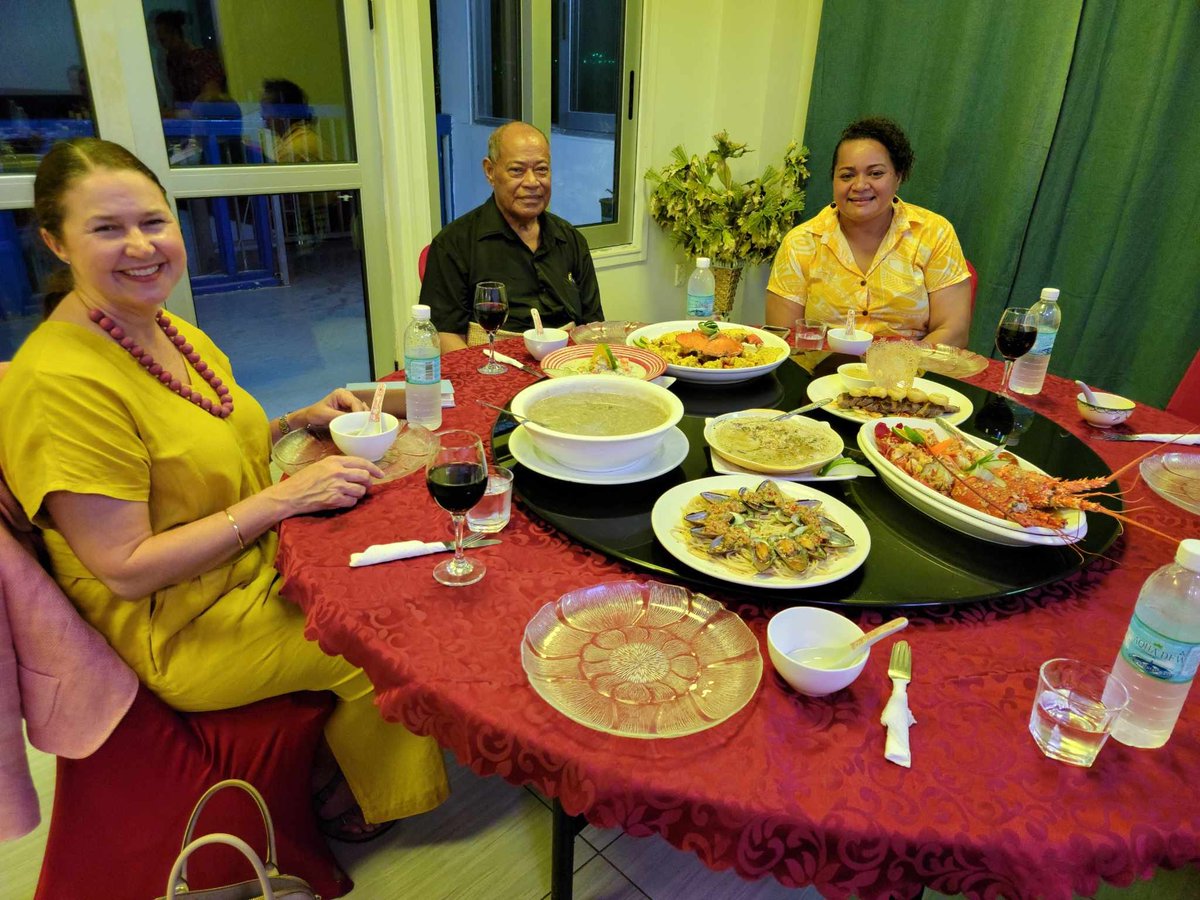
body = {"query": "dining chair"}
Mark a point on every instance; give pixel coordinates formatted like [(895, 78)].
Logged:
[(974, 284), (421, 261), (1185, 401)]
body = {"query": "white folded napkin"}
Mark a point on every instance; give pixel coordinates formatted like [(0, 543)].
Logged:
[(897, 717), (381, 553), (1182, 439)]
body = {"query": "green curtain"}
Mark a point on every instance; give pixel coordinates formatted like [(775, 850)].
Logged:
[(1055, 135)]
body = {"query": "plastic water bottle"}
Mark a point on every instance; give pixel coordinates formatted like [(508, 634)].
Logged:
[(1161, 651), (702, 290), (1029, 372), (422, 370)]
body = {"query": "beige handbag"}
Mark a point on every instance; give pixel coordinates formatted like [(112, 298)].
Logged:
[(267, 884)]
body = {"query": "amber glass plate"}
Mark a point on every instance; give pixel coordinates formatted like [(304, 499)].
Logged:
[(641, 659), (953, 361), (301, 448)]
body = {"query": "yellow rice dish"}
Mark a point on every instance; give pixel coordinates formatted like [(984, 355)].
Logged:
[(731, 348)]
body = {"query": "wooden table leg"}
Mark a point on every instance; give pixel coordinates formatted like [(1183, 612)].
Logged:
[(562, 853)]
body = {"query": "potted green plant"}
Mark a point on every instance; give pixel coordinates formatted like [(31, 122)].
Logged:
[(707, 213)]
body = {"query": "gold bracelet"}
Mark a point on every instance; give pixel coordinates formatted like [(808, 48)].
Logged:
[(284, 427), (237, 532)]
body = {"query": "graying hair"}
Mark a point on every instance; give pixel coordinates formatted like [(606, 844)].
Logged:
[(497, 136)]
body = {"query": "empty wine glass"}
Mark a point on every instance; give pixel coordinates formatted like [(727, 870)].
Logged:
[(491, 311), (456, 475), (1015, 335)]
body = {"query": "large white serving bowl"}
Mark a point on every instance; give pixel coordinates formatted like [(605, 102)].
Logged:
[(810, 626), (725, 376), (598, 453)]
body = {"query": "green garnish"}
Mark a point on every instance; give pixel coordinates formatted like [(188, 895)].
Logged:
[(709, 328), (844, 461), (612, 360), (910, 434)]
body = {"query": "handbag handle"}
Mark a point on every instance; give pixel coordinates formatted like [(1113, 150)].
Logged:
[(271, 868), (177, 883)]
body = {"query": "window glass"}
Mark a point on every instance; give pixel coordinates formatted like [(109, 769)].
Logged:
[(43, 83), (474, 92), (25, 267), (479, 90), (585, 98), (277, 281), (253, 81)]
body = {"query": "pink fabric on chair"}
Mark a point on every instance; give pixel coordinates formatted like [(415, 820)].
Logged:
[(57, 673), (1186, 399)]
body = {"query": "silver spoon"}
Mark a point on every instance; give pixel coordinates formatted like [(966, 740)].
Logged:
[(517, 416), (801, 410)]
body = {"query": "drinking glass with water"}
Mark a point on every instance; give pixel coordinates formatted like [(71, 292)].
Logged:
[(491, 513)]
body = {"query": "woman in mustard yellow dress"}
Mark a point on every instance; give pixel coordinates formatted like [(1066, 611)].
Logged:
[(125, 437), (897, 266)]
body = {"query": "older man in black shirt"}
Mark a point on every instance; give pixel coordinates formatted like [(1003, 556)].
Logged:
[(542, 259)]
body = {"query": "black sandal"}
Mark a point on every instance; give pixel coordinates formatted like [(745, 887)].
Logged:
[(349, 825)]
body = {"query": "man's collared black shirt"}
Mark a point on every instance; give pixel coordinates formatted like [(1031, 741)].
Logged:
[(558, 278)]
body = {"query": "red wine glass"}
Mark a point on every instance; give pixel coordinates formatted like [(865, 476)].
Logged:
[(1015, 335), (491, 311), (456, 476)]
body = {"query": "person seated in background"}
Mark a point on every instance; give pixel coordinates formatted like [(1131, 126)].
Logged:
[(898, 266), (286, 113), (126, 439), (542, 259)]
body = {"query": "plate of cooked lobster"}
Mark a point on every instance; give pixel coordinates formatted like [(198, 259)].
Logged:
[(974, 487), (707, 352)]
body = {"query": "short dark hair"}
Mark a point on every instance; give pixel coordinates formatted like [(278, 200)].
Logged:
[(281, 92), (171, 19), (886, 132)]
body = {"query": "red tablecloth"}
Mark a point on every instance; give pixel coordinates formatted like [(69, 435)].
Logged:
[(792, 787)]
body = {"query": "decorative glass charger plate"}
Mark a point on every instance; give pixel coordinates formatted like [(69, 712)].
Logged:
[(641, 659), (829, 387), (956, 362), (1175, 477), (303, 447)]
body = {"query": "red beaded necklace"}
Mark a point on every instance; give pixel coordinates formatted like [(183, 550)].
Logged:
[(117, 333)]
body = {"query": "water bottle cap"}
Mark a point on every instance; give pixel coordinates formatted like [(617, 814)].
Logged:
[(703, 262), (1049, 293), (420, 312), (1188, 554)]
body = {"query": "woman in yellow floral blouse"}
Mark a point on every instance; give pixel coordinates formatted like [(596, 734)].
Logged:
[(898, 266)]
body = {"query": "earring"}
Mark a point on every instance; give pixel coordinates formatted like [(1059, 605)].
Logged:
[(895, 199)]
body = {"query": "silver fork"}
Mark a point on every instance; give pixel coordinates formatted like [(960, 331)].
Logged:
[(900, 665), (801, 410)]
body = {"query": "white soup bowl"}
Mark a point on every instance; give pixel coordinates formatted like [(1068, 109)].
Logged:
[(800, 627), (345, 432)]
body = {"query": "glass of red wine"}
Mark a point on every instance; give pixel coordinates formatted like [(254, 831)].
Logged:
[(456, 475), (491, 311), (1014, 338)]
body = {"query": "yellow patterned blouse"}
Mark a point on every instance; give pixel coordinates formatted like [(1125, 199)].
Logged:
[(920, 253)]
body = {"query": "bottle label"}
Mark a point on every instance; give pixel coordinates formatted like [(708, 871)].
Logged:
[(1159, 656), (1044, 343), (700, 306), (422, 369)]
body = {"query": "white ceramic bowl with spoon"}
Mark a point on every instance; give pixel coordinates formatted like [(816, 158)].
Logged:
[(801, 627), (345, 431)]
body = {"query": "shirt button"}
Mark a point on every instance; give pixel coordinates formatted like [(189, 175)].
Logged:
[(863, 283)]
